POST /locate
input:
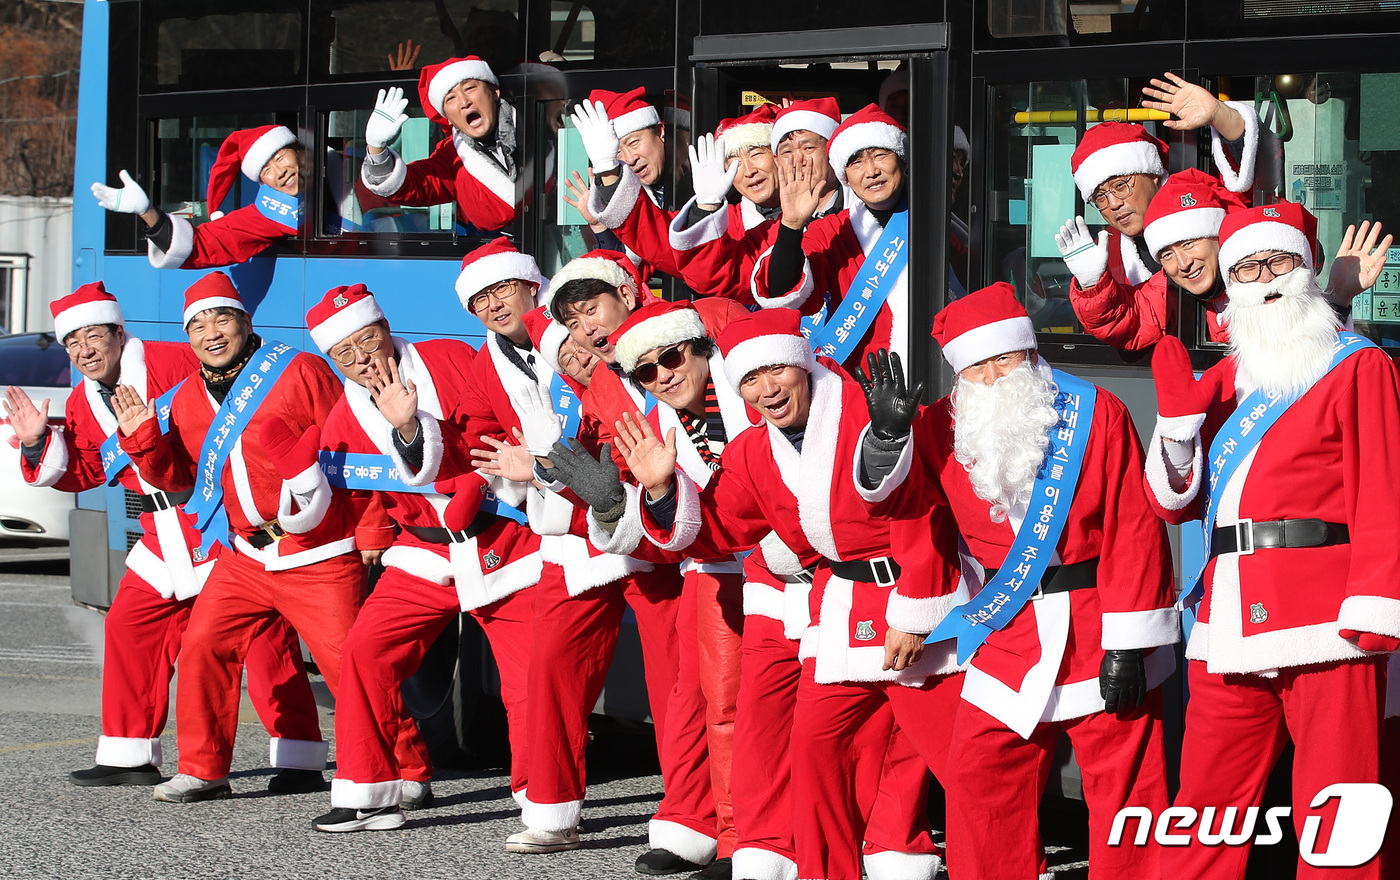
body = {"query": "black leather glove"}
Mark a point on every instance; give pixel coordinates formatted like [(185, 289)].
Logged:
[(595, 480), (1122, 680), (892, 408)]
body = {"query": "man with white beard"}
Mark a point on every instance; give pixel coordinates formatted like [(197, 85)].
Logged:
[(1300, 599), (1072, 633)]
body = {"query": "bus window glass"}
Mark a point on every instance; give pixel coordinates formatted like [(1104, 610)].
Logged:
[(372, 37), (185, 150), (351, 207), (199, 45), (610, 33)]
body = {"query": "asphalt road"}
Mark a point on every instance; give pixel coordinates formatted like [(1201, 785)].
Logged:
[(50, 668)]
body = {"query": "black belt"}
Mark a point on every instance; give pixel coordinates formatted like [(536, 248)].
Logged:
[(480, 523), (883, 571), (164, 500), (1246, 536), (271, 533), (1062, 578)]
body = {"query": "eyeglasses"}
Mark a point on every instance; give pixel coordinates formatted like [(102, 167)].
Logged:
[(1119, 189), (670, 358), (92, 339), (501, 292), (346, 356), (1249, 271)]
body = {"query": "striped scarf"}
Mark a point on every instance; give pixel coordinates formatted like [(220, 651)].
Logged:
[(706, 434)]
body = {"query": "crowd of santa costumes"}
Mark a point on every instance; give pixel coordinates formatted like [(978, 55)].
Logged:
[(841, 592)]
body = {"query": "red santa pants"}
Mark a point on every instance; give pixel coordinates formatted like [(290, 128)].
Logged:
[(1236, 728), (998, 780), (827, 824), (241, 601), (574, 641), (143, 631), (376, 742), (719, 632)]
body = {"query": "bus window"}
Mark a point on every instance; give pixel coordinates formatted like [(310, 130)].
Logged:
[(364, 37), (200, 45), (185, 149), (353, 208)]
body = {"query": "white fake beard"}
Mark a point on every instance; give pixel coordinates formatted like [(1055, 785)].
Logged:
[(1001, 432), (1285, 346)]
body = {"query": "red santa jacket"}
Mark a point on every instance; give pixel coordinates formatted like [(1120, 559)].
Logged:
[(1328, 457), (72, 462), (234, 238), (639, 222), (1133, 317), (1044, 665), (500, 560), (253, 492), (456, 171), (809, 499)]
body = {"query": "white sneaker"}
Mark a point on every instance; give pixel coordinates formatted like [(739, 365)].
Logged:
[(416, 795), (533, 841), (185, 789)]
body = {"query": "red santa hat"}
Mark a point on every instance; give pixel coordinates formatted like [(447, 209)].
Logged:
[(867, 127), (743, 133), (655, 325), (247, 151), (1285, 226), (983, 324), (87, 306), (1112, 149), (213, 291), (767, 338), (603, 265), (493, 263), (1191, 204), (342, 311), (436, 80), (629, 111), (675, 109), (547, 335), (817, 115)]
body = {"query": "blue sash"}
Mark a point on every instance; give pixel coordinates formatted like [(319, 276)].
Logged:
[(372, 472), (1055, 485), (280, 208), (114, 458), (853, 317), (566, 405), (1250, 421)]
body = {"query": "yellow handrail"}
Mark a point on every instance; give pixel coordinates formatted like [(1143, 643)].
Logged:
[(1135, 114)]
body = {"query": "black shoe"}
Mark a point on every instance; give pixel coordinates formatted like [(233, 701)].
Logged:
[(663, 861), (104, 774), (719, 869), (297, 782), (343, 819)]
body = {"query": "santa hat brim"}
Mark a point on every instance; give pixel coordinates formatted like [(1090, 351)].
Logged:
[(1266, 236), (261, 151), (742, 138), (802, 120), (88, 314), (1131, 157), (865, 136), (555, 335), (212, 302), (597, 268), (356, 316), (773, 350), (460, 71), (653, 333), (494, 269), (989, 340), (1182, 226), (636, 120)]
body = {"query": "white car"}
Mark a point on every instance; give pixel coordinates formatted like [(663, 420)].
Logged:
[(37, 363)]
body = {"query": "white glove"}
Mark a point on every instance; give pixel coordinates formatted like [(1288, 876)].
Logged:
[(707, 172), (387, 119), (541, 427), (1087, 260), (599, 139), (130, 199)]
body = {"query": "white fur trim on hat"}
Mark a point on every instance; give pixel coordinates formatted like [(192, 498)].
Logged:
[(212, 302), (494, 269), (264, 148), (767, 351), (599, 268), (960, 142), (88, 314), (555, 335), (668, 329), (802, 120), (1131, 157), (356, 316), (862, 137), (1265, 236), (636, 120), (443, 81), (989, 340), (742, 138), (1182, 226)]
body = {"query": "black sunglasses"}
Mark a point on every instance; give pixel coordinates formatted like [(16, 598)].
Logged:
[(670, 358)]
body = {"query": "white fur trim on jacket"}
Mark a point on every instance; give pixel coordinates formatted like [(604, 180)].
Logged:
[(87, 314), (921, 615), (891, 865), (390, 185), (865, 136), (341, 324), (763, 601), (145, 564), (628, 534), (181, 246), (349, 795), (477, 588), (297, 754), (584, 571), (548, 817), (892, 480), (662, 330), (686, 525), (1135, 630), (271, 560), (432, 451), (1371, 614), (685, 842), (711, 227), (54, 462), (304, 501), (811, 481), (794, 298), (128, 751), (1160, 481), (263, 149), (767, 351), (1130, 157), (828, 642), (989, 340), (420, 562), (1242, 180), (615, 211), (763, 864), (483, 170)]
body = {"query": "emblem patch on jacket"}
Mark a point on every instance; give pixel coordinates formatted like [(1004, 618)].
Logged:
[(865, 631), (1257, 614), (491, 559)]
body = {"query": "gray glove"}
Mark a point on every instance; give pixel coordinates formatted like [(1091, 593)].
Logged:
[(595, 480), (1122, 680)]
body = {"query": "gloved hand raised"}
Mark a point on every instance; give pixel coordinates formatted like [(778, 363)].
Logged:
[(387, 119), (595, 480), (707, 172), (892, 408), (130, 199), (539, 425), (291, 455), (1180, 397), (1122, 680), (1084, 257), (599, 138)]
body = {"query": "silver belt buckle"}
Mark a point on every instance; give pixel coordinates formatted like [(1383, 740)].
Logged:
[(1039, 592), (883, 571), (160, 501), (457, 537), (1244, 534)]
